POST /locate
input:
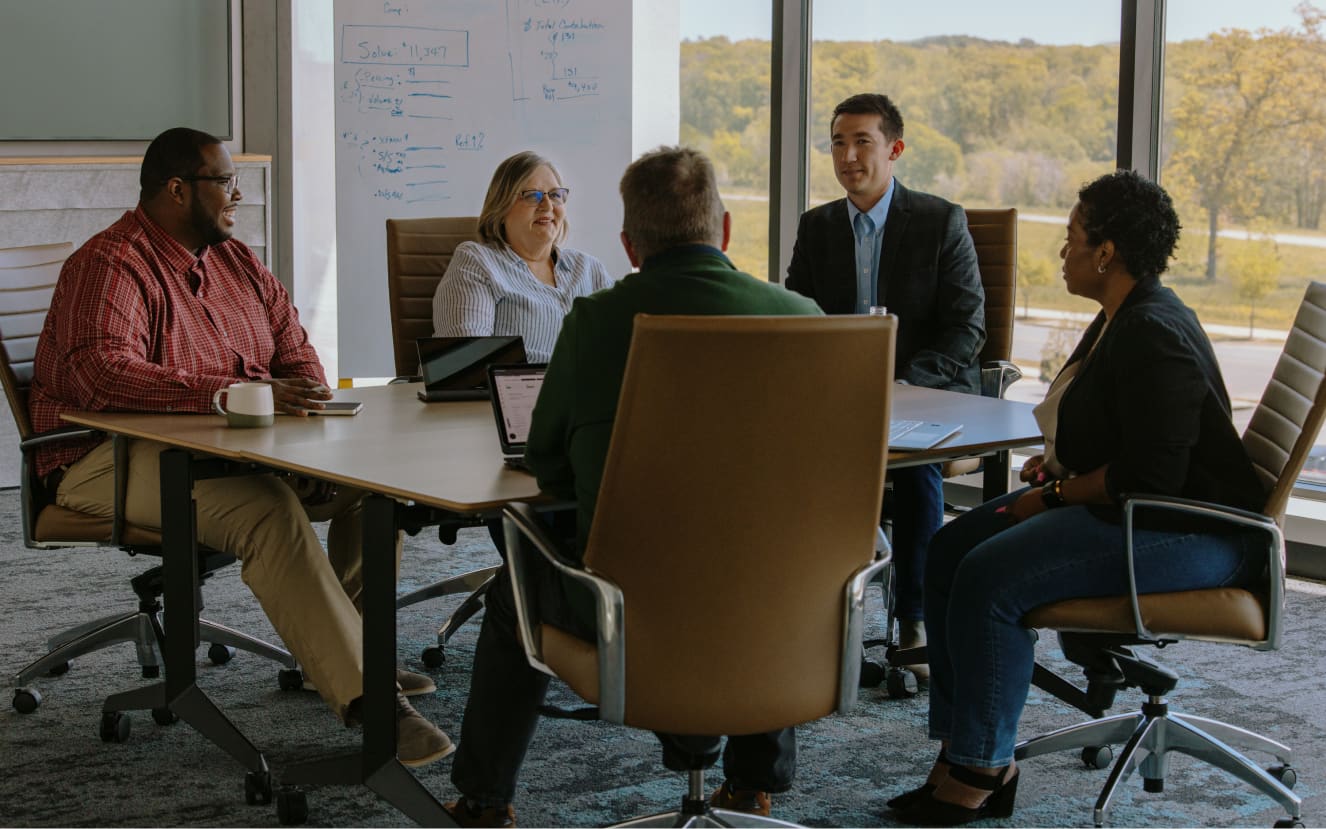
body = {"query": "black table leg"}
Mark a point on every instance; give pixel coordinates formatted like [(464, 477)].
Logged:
[(995, 478), (182, 599), (375, 764)]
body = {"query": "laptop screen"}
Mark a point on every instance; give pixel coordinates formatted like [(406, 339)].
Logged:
[(462, 362), (515, 390)]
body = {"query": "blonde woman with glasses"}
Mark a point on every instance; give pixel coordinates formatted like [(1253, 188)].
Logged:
[(518, 279)]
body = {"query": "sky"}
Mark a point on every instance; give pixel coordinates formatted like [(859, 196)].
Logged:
[(1044, 21)]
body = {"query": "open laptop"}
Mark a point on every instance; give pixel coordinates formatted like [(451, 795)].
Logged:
[(456, 368), (914, 435), (515, 390)]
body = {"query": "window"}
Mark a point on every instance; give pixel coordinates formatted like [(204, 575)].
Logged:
[(725, 66), (1242, 141), (999, 110)]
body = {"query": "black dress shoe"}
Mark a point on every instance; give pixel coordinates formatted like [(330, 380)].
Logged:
[(913, 796), (928, 811)]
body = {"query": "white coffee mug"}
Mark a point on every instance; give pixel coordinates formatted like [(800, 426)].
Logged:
[(247, 405)]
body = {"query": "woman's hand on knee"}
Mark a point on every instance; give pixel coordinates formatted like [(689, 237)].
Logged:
[(1028, 504)]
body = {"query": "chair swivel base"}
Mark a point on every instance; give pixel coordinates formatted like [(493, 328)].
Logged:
[(476, 583), (696, 811), (143, 629), (1149, 735)]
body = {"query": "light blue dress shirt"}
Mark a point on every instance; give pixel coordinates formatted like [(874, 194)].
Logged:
[(868, 229)]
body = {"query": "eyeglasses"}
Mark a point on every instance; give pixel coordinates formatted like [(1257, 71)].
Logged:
[(228, 183), (556, 196)]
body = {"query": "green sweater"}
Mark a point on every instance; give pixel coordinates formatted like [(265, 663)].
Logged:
[(572, 421)]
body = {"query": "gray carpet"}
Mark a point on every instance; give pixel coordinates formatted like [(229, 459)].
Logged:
[(54, 771)]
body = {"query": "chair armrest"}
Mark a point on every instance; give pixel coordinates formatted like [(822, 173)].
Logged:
[(521, 524), (1219, 512), (997, 376), (27, 497), (854, 614), (57, 435)]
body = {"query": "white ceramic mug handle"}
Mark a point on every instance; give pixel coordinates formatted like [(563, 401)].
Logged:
[(216, 401)]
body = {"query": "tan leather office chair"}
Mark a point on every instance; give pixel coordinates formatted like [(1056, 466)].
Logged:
[(713, 526), (418, 253), (27, 280), (995, 234), (1100, 634)]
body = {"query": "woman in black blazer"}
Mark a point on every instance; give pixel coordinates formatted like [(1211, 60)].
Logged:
[(1140, 407)]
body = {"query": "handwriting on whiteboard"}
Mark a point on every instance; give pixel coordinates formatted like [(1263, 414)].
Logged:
[(412, 89)]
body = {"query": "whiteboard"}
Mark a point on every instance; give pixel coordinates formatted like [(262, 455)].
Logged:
[(432, 94), (94, 70)]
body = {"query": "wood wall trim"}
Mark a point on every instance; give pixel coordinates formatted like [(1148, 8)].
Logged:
[(243, 158)]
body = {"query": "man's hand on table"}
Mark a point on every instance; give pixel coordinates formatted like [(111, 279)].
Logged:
[(296, 395)]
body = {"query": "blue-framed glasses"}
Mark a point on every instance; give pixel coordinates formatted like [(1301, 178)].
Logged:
[(556, 196)]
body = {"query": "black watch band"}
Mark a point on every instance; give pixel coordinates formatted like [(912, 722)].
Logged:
[(1053, 494)]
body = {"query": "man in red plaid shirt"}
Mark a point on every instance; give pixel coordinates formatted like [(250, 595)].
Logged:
[(155, 314)]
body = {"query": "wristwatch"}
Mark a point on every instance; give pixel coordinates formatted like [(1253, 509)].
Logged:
[(1052, 494)]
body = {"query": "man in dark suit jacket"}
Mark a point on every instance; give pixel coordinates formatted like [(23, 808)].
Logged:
[(885, 245)]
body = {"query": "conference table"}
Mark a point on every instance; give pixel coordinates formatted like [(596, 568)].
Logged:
[(418, 462)]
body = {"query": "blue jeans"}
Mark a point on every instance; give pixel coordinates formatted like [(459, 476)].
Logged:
[(984, 574), (917, 513)]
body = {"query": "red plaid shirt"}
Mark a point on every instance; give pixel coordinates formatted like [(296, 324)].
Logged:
[(138, 323)]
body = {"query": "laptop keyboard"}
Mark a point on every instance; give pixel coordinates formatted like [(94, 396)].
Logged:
[(898, 428)]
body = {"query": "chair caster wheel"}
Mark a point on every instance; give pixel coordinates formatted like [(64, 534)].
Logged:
[(1285, 774), (433, 657), (291, 806), (115, 726), (1097, 757), (1153, 785), (151, 671), (258, 788), (59, 670), (1288, 823), (290, 679), (26, 700), (220, 654), (164, 716), (900, 684), (872, 674)]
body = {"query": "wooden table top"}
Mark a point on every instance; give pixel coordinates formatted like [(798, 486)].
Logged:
[(447, 454)]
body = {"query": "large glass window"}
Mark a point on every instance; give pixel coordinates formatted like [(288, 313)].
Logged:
[(1001, 109), (1242, 143), (725, 66)]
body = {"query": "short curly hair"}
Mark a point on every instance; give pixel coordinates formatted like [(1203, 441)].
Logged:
[(1136, 215)]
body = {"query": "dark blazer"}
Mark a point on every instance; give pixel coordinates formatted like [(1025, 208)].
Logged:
[(930, 281), (1150, 401)]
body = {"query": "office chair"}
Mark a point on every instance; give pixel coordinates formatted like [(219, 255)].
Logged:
[(27, 280), (714, 526), (1101, 634), (418, 253), (995, 234)]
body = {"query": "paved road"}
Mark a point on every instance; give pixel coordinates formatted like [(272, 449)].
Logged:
[(1280, 238)]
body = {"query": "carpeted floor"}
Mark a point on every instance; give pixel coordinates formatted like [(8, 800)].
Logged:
[(54, 771)]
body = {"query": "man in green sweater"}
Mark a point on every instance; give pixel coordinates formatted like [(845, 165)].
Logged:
[(674, 230)]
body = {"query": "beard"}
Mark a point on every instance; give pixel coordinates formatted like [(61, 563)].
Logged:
[(208, 227)]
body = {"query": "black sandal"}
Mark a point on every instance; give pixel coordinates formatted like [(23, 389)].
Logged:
[(928, 811), (913, 796)]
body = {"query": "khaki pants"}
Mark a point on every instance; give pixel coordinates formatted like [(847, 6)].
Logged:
[(312, 598)]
